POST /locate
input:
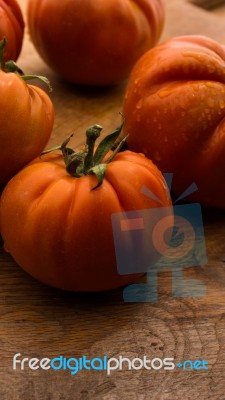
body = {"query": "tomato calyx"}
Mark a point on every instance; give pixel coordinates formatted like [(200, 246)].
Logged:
[(90, 161), (11, 66)]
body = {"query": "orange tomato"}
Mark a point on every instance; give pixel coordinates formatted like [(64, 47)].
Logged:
[(26, 121), (59, 229), (94, 42), (174, 113), (11, 28)]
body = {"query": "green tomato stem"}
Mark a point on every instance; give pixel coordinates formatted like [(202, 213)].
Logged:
[(11, 66), (92, 135), (39, 77), (90, 161), (2, 49)]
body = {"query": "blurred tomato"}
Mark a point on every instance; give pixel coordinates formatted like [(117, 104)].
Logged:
[(94, 42), (11, 28)]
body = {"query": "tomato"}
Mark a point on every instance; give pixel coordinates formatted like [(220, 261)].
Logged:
[(26, 122), (11, 28), (57, 224), (94, 42), (174, 111)]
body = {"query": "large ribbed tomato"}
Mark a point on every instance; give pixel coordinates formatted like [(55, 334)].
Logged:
[(174, 113), (94, 42), (11, 28), (26, 121), (56, 222)]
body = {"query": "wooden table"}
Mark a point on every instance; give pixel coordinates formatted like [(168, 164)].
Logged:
[(38, 321)]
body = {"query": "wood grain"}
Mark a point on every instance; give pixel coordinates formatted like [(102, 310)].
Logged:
[(38, 321)]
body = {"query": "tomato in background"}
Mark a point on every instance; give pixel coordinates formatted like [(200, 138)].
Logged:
[(94, 42), (174, 113), (11, 28), (26, 119)]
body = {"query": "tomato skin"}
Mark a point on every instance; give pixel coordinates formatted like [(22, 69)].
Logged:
[(174, 111), (61, 232), (11, 28), (26, 122), (94, 42)]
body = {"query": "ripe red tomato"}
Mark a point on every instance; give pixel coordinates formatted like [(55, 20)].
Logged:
[(94, 42), (174, 113), (26, 122), (11, 28), (58, 228)]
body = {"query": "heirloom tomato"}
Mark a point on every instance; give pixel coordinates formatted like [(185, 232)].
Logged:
[(94, 42), (174, 113), (11, 28), (26, 119), (56, 218)]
